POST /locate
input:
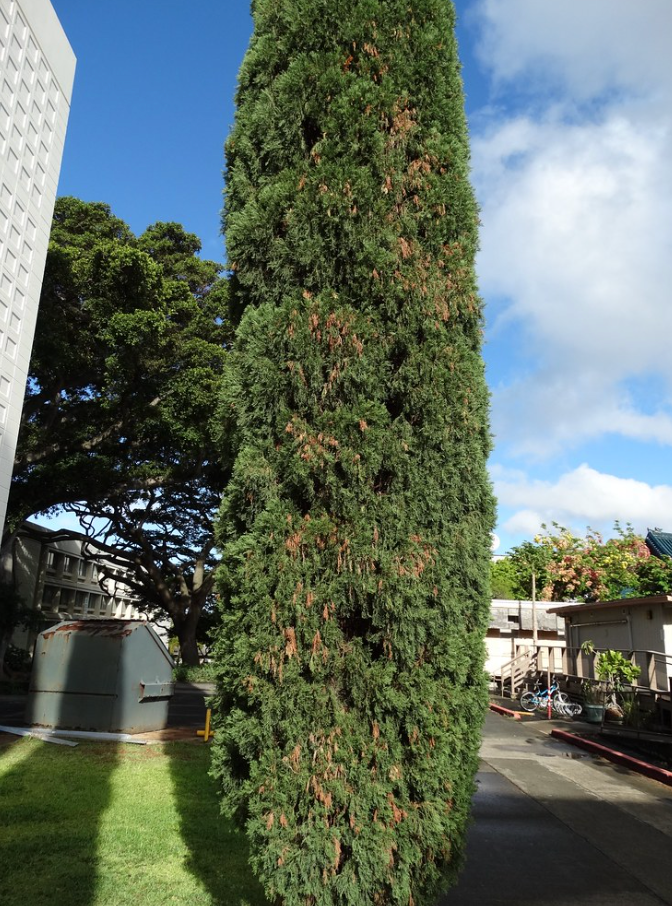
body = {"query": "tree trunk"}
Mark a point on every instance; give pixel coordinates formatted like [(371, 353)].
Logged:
[(188, 647), (185, 629), (4, 645)]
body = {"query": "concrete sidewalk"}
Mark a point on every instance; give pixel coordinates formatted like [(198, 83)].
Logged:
[(555, 826)]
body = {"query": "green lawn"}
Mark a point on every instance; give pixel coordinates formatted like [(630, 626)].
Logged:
[(108, 825)]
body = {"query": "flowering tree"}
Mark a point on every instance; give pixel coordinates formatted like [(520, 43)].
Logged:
[(594, 569)]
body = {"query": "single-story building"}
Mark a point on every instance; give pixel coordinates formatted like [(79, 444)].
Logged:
[(641, 628), (511, 630)]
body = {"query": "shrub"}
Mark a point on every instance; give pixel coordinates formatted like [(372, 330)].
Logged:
[(355, 528)]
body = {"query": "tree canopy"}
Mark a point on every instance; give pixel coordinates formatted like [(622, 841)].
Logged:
[(356, 526), (118, 416)]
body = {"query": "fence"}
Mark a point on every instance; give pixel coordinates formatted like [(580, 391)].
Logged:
[(655, 666)]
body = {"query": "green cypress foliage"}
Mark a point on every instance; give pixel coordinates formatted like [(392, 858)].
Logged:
[(355, 528)]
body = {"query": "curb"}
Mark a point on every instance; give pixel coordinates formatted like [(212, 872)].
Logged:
[(507, 712), (626, 761)]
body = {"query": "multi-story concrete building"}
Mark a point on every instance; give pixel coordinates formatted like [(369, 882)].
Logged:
[(37, 68), (65, 579)]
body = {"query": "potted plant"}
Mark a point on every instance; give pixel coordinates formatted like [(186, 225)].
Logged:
[(632, 716), (616, 670), (593, 702), (593, 693)]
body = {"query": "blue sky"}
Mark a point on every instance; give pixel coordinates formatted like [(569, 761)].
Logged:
[(570, 112)]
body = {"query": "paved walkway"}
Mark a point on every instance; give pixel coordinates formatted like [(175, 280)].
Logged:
[(555, 826)]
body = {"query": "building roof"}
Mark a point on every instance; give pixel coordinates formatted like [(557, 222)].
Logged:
[(659, 543), (565, 610), (516, 602)]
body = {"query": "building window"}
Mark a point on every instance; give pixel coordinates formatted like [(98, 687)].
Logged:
[(68, 565), (82, 569), (82, 601), (97, 604), (54, 561), (50, 597)]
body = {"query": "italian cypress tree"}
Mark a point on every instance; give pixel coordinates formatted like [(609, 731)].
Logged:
[(355, 528)]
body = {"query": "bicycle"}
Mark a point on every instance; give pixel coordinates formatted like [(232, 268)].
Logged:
[(540, 698)]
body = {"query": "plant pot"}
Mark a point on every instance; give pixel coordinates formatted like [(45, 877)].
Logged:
[(613, 714), (594, 714)]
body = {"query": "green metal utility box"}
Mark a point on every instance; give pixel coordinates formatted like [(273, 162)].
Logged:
[(111, 676)]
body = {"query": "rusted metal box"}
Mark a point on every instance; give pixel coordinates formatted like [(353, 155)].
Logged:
[(112, 676)]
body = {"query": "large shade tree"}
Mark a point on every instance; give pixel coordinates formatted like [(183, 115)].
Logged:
[(356, 526), (117, 419)]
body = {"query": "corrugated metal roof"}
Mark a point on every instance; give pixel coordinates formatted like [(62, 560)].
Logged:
[(567, 609), (659, 543)]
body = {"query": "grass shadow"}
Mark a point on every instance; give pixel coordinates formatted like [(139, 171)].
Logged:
[(217, 851), (51, 803)]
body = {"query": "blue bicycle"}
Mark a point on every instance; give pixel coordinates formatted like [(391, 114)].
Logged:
[(539, 699)]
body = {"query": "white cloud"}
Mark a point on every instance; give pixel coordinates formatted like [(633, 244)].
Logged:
[(559, 409), (577, 237), (575, 232), (527, 523), (580, 498), (586, 47)]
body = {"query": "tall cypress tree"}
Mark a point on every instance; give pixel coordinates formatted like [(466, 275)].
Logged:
[(355, 529)]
